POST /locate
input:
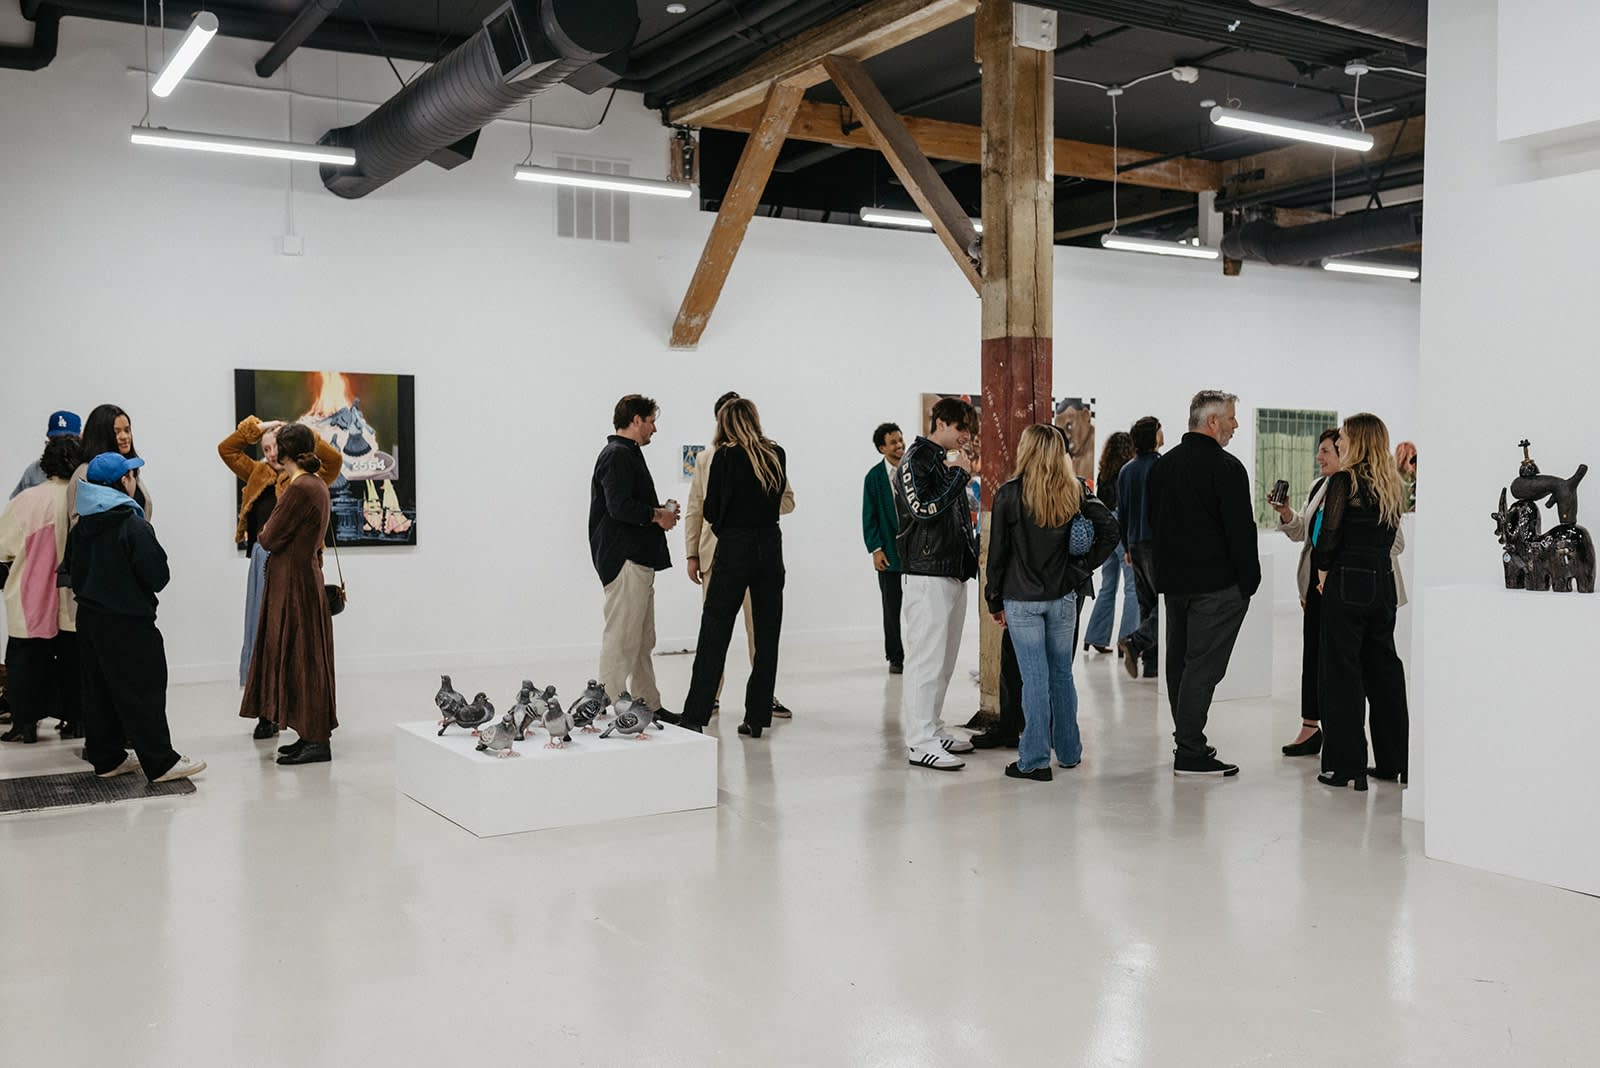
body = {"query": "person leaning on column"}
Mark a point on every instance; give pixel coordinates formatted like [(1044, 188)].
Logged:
[(628, 543), (878, 529), (700, 546)]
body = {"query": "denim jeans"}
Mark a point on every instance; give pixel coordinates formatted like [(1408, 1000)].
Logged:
[(1112, 573), (1042, 633)]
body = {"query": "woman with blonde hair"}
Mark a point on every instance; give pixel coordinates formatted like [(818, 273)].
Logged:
[(744, 494), (1031, 590), (1354, 536)]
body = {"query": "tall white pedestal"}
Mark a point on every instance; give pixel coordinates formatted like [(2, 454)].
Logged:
[(1509, 707), (592, 780)]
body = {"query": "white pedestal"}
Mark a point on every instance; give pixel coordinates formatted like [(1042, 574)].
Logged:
[(1250, 667), (592, 780), (1510, 683)]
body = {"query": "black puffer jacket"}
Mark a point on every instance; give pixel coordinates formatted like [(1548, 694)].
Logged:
[(1028, 562), (936, 533)]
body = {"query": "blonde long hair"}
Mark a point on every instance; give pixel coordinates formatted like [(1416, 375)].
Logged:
[(1372, 465), (1051, 492), (738, 423)]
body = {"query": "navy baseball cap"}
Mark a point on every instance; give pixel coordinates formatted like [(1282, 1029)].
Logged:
[(108, 468), (64, 424)]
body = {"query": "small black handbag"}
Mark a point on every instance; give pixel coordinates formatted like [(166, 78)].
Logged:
[(335, 594)]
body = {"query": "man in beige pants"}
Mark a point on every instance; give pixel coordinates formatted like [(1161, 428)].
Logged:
[(628, 542), (700, 542)]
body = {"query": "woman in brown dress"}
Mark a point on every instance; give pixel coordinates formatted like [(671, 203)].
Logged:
[(291, 669)]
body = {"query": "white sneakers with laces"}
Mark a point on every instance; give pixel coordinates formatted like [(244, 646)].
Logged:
[(936, 758)]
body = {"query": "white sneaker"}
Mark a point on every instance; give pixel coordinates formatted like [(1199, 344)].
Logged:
[(938, 759), (130, 763), (182, 770), (951, 744)]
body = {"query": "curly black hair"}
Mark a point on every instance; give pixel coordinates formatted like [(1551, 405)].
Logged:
[(61, 457)]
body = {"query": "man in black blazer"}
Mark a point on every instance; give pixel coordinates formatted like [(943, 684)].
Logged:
[(1207, 567), (878, 529)]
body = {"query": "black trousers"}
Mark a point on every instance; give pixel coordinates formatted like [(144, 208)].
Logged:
[(1310, 654), (747, 560), (1359, 667), (43, 679), (890, 591), (1201, 630), (1146, 640), (124, 692), (1011, 717)]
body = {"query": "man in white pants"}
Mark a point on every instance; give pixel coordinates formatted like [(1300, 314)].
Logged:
[(938, 555)]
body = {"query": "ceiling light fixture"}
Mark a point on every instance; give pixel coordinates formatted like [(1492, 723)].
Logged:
[(1124, 243), (1293, 129), (242, 146), (617, 183), (201, 30), (912, 220), (1376, 270)]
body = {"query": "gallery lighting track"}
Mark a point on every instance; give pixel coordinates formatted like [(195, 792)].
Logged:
[(1376, 270), (911, 220), (1123, 243), (200, 32), (618, 183), (162, 137), (1293, 129)]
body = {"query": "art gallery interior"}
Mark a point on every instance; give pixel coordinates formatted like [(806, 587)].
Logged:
[(827, 904)]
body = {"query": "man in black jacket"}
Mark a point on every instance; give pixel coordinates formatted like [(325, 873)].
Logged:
[(116, 567), (628, 542), (938, 550), (1207, 566), (1133, 512)]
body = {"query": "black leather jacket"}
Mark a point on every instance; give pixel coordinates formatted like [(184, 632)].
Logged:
[(1028, 562), (936, 533)]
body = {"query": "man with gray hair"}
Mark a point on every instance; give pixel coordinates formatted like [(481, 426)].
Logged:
[(1207, 567)]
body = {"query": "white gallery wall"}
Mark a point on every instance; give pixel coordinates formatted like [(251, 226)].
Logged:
[(145, 277), (1509, 328)]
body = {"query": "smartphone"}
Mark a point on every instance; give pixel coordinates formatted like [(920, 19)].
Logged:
[(1280, 492)]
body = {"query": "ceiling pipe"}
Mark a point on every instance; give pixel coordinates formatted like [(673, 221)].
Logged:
[(1349, 235), (313, 15), (1405, 21), (46, 39)]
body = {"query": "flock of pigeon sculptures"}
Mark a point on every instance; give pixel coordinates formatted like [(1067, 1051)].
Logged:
[(541, 709)]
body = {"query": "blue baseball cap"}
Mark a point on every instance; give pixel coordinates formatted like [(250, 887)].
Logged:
[(108, 468), (64, 424)]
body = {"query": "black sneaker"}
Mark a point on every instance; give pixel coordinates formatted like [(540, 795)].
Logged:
[(994, 740), (780, 710), (1206, 765), (897, 668), (1037, 774)]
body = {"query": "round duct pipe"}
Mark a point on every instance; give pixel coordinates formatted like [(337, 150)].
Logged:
[(1350, 235), (1402, 21)]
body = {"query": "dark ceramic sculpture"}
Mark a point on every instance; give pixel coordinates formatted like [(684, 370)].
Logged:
[(523, 710), (1558, 559), (475, 714)]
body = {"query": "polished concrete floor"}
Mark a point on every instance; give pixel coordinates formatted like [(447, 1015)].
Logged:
[(837, 908)]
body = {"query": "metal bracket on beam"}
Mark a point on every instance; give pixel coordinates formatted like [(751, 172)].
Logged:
[(304, 25), (1033, 27)]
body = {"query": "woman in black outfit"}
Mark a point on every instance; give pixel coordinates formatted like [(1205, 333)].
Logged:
[(743, 492), (1361, 513)]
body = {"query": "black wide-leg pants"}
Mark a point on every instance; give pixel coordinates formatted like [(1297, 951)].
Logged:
[(892, 594), (746, 561), (124, 664), (1358, 668), (42, 679)]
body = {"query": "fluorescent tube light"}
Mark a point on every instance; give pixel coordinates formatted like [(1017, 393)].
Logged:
[(243, 146), (1123, 243), (617, 183), (913, 220), (201, 30), (1377, 270), (1234, 119)]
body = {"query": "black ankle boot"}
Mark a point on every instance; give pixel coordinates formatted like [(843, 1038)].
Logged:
[(265, 728), (293, 747), (310, 753), (26, 733)]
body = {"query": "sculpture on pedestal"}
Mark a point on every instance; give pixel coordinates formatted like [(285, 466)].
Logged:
[(498, 738), (1558, 559)]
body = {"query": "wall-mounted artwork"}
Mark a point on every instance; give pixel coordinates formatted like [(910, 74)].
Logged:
[(371, 420), (1075, 415), (687, 459)]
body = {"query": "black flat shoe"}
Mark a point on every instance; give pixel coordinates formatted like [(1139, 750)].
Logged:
[(1310, 747), (1386, 776), (69, 730), (994, 740), (1339, 782), (686, 725), (1037, 774), (265, 729), (897, 668), (310, 753), (670, 718), (747, 729), (27, 735), (293, 747)]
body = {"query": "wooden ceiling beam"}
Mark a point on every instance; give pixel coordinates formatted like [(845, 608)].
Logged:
[(833, 124), (1283, 167)]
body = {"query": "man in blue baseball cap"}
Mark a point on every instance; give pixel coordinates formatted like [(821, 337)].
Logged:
[(117, 567), (62, 424)]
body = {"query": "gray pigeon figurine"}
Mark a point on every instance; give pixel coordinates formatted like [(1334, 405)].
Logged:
[(498, 738), (448, 700), (590, 706), (524, 711), (476, 714), (633, 718), (557, 722)]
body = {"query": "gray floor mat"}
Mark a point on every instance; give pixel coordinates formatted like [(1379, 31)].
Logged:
[(37, 792)]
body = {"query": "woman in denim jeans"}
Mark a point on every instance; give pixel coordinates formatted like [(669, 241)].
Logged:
[(1115, 571), (1033, 576)]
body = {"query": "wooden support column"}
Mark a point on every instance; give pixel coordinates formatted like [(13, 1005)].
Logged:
[(1018, 262), (733, 218)]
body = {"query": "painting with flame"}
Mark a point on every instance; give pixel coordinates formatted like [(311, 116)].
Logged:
[(370, 419)]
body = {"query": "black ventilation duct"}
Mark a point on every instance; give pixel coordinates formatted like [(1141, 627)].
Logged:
[(1367, 231), (524, 48), (1404, 21)]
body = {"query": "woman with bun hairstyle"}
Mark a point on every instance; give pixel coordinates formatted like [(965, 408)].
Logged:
[(291, 680)]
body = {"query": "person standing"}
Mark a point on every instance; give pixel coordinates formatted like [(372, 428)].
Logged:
[(41, 619), (291, 679), (628, 544), (1354, 559), (263, 480), (744, 497), (116, 568), (700, 546), (1133, 514), (1207, 567), (1116, 572), (62, 424), (878, 530), (1300, 527), (1031, 589), (938, 551), (109, 429)]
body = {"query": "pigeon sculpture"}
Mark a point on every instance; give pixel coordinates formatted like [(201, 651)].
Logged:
[(524, 711), (497, 739), (475, 714), (448, 700), (590, 706), (557, 722), (632, 718)]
